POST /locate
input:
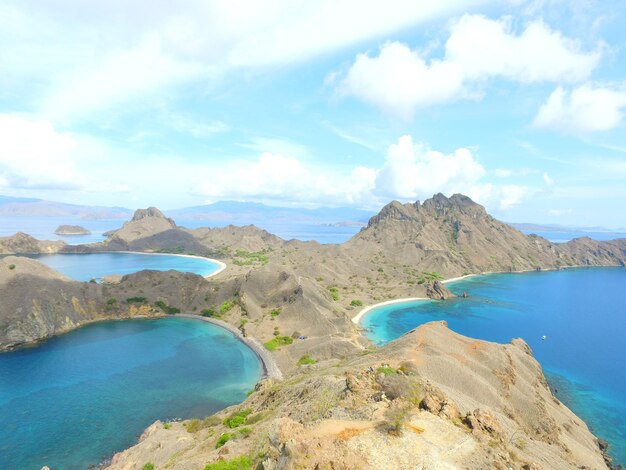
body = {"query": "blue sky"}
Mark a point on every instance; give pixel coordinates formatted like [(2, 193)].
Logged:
[(518, 104)]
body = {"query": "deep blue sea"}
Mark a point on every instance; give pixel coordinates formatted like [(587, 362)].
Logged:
[(84, 267), (581, 311), (75, 399)]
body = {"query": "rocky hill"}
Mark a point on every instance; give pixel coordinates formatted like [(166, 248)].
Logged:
[(432, 399), (23, 243)]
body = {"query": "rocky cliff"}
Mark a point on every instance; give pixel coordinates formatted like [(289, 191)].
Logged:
[(432, 399)]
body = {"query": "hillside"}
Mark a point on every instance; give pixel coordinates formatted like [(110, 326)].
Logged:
[(432, 399)]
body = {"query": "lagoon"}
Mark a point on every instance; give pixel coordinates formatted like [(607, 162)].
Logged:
[(77, 398), (582, 313), (86, 266)]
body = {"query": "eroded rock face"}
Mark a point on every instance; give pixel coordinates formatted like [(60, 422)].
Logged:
[(437, 290)]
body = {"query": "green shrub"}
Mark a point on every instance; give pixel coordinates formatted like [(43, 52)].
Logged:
[(356, 303), (111, 301), (148, 466), (226, 306), (273, 344), (166, 308), (136, 300), (306, 360), (208, 312), (238, 463), (247, 258), (334, 293), (275, 312), (167, 426), (237, 419), (11, 267), (386, 370), (223, 439)]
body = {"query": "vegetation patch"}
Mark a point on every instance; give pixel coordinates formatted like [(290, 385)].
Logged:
[(356, 303), (334, 293), (386, 370), (209, 312), (237, 419), (226, 306), (148, 466), (223, 439), (137, 300), (273, 344), (166, 308), (11, 267), (238, 463), (306, 360), (275, 312), (247, 258)]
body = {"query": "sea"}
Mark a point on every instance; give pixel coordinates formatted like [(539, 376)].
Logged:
[(581, 312), (74, 400), (88, 266)]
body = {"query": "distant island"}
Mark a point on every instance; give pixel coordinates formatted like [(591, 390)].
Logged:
[(71, 230)]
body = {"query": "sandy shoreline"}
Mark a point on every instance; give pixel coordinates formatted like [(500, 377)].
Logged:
[(221, 265), (357, 319), (270, 368)]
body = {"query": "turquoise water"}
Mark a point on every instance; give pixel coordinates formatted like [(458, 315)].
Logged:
[(75, 399), (84, 267), (581, 311)]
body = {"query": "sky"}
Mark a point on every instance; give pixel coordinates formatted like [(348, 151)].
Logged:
[(518, 104)]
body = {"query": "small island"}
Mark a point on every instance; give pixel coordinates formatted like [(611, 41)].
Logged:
[(71, 230)]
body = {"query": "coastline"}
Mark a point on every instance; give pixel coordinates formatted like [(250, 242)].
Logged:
[(270, 367), (357, 318)]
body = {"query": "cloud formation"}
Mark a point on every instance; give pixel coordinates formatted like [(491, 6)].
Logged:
[(584, 109), (90, 57), (399, 80)]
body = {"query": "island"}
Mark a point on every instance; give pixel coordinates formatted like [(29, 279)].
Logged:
[(71, 230)]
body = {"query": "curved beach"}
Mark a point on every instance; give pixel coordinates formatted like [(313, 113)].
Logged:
[(222, 266), (270, 368)]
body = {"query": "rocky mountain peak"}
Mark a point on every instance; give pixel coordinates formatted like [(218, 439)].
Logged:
[(441, 205), (150, 212)]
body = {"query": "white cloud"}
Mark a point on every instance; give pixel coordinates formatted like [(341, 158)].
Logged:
[(398, 80), (560, 212), (490, 48), (34, 155), (509, 172), (71, 57), (412, 171), (547, 179), (512, 195), (584, 109)]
